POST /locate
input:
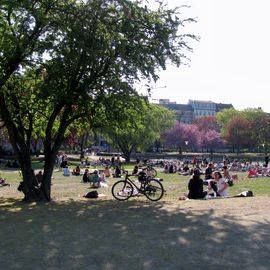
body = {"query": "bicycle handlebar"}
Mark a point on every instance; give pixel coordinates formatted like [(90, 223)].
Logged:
[(127, 173)]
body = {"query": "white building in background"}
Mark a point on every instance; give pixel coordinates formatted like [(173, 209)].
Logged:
[(202, 108), (187, 113)]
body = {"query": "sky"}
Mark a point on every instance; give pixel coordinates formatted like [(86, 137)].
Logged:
[(230, 63)]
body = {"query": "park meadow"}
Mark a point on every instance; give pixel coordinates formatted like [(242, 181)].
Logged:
[(72, 232)]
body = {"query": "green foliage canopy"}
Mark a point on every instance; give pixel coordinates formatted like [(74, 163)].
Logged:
[(141, 128), (62, 60)]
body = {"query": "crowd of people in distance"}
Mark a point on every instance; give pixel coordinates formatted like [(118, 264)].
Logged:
[(217, 176), (96, 178), (207, 179), (229, 169)]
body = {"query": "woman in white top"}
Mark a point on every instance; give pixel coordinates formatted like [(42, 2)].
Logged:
[(222, 185)]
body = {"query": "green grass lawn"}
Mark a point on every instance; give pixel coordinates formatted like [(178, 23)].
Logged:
[(73, 232), (174, 184)]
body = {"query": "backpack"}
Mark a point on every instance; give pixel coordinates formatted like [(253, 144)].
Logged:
[(230, 183), (91, 194)]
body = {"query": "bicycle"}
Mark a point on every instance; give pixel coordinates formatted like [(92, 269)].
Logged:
[(151, 188), (150, 171)]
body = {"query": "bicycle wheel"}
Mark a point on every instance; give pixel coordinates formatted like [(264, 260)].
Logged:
[(122, 190), (151, 172), (153, 190)]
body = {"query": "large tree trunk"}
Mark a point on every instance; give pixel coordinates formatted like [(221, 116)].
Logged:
[(20, 141), (127, 157), (127, 154), (47, 175), (29, 185)]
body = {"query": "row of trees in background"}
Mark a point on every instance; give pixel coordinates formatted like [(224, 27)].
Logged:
[(247, 129), (202, 134), (147, 124), (153, 125), (142, 126)]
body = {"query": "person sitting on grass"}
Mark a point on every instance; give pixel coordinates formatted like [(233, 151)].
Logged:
[(85, 176), (107, 171), (117, 172), (171, 168), (185, 170), (166, 168), (221, 184), (265, 171), (66, 171), (76, 171), (252, 173), (227, 176), (135, 170), (94, 179), (195, 186), (226, 173), (39, 177), (3, 182)]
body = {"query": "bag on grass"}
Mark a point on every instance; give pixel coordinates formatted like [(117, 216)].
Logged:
[(247, 193), (91, 194), (230, 183)]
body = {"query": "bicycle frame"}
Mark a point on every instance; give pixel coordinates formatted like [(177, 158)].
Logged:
[(150, 187), (132, 182)]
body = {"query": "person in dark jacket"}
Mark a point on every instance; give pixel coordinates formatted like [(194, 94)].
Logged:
[(195, 186), (266, 160)]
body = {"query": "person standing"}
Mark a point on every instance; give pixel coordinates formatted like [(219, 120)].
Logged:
[(266, 160), (209, 171)]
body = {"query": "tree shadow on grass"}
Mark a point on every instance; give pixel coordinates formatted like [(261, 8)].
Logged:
[(136, 234)]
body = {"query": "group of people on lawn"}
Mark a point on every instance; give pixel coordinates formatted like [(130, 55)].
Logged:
[(216, 181), (217, 185), (96, 177)]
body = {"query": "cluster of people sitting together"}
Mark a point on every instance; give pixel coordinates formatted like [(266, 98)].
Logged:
[(96, 178), (253, 169), (217, 184), (258, 171)]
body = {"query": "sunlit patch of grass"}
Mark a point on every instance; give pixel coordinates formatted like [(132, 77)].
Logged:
[(66, 188)]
